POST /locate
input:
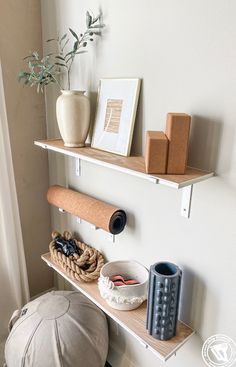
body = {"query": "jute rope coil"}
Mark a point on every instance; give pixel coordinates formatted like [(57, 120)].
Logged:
[(84, 267)]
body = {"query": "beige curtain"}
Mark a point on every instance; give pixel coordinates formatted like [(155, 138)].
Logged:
[(14, 290)]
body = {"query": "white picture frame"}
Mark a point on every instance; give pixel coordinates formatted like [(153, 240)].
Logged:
[(115, 116)]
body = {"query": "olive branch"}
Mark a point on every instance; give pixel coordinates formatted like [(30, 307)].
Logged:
[(46, 70)]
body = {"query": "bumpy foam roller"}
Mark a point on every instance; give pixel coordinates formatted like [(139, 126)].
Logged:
[(163, 300), (94, 211)]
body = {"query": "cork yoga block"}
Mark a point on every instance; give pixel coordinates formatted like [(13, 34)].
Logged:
[(177, 132), (156, 152), (94, 211)]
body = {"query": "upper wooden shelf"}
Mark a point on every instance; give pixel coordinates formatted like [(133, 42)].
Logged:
[(130, 165), (133, 321)]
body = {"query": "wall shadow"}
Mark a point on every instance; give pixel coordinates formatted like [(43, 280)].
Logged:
[(93, 104), (136, 148), (130, 221), (192, 299), (204, 144)]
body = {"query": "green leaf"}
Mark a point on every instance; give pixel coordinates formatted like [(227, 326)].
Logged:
[(69, 53), (97, 33), (75, 48), (97, 26), (57, 63), (63, 37), (74, 34), (77, 53), (60, 57), (31, 66), (27, 57), (35, 55), (23, 75), (65, 44), (97, 18), (88, 19), (81, 52), (45, 59)]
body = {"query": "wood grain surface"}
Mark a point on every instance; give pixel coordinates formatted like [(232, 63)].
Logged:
[(132, 163)]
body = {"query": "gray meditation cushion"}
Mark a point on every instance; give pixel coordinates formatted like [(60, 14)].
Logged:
[(60, 328)]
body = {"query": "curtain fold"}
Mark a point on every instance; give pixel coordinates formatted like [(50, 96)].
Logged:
[(14, 289)]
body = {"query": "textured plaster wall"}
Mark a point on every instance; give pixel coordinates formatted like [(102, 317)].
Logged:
[(20, 33), (185, 52)]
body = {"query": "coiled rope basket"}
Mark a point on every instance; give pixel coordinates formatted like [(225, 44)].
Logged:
[(83, 268)]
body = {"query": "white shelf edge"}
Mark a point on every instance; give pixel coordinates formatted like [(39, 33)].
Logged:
[(180, 344), (103, 164), (147, 177), (140, 340), (196, 180)]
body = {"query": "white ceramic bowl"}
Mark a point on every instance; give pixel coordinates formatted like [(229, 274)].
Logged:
[(125, 297)]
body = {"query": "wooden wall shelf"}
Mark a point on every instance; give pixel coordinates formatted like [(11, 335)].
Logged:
[(133, 321), (131, 165)]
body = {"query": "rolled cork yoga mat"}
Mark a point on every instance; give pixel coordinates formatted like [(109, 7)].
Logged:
[(94, 211)]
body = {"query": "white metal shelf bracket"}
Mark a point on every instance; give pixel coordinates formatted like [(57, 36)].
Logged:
[(78, 220), (186, 201), (112, 237), (78, 167), (95, 228)]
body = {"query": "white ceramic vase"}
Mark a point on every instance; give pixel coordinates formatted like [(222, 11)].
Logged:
[(73, 117)]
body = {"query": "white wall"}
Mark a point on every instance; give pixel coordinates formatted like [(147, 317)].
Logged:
[(185, 52)]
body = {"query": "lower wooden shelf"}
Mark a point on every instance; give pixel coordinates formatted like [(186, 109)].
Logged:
[(133, 321)]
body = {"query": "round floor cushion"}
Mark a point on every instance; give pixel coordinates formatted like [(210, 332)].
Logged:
[(58, 329)]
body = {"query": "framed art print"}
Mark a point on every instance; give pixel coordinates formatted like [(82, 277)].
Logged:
[(115, 116)]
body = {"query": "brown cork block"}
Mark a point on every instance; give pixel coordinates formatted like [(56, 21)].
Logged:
[(156, 152), (177, 132)]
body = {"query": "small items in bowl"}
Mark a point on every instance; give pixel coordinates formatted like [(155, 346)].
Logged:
[(119, 280), (123, 296)]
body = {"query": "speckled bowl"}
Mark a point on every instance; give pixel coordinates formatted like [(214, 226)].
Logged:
[(125, 297)]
